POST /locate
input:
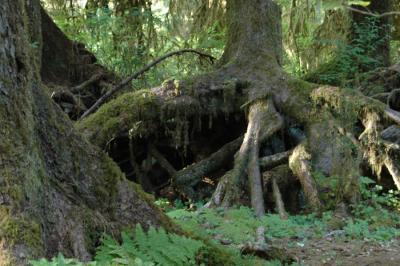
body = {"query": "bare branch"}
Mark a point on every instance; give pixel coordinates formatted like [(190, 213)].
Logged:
[(138, 74), (368, 13)]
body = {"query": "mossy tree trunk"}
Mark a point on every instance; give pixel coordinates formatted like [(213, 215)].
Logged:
[(58, 193)]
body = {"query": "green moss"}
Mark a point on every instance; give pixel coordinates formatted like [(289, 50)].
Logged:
[(10, 187), (135, 112), (20, 230), (346, 103), (301, 85), (299, 105), (107, 185)]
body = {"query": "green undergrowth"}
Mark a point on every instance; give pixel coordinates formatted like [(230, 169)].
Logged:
[(376, 218)]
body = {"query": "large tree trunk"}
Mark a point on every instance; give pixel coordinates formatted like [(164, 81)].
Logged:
[(58, 193)]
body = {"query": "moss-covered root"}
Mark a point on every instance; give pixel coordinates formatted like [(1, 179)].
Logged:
[(378, 152), (299, 162), (264, 121)]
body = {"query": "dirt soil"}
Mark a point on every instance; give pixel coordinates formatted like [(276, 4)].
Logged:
[(343, 252)]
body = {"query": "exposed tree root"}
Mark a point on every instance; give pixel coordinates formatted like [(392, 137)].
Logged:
[(394, 171), (271, 161), (392, 136), (280, 206), (70, 104), (191, 175), (299, 162), (263, 122), (393, 115), (262, 249)]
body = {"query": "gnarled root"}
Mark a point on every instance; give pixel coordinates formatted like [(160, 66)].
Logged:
[(264, 121)]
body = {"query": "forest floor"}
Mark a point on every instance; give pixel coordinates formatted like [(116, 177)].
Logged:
[(336, 251), (370, 235)]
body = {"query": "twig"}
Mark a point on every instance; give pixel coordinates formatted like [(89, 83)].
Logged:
[(126, 81), (368, 13), (90, 81)]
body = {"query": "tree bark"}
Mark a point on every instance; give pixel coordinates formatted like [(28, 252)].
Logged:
[(58, 193)]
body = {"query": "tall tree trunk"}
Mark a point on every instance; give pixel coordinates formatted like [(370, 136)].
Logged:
[(58, 193)]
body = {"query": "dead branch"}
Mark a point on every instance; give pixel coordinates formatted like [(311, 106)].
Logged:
[(93, 79), (369, 13), (137, 74)]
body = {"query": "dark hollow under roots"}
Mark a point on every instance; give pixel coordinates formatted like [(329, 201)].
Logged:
[(219, 154)]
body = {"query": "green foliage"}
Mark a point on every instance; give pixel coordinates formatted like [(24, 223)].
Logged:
[(352, 59), (125, 40), (156, 247), (239, 225), (58, 261), (371, 221), (372, 218)]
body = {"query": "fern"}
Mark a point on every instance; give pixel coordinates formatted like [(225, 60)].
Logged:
[(57, 261), (156, 247)]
